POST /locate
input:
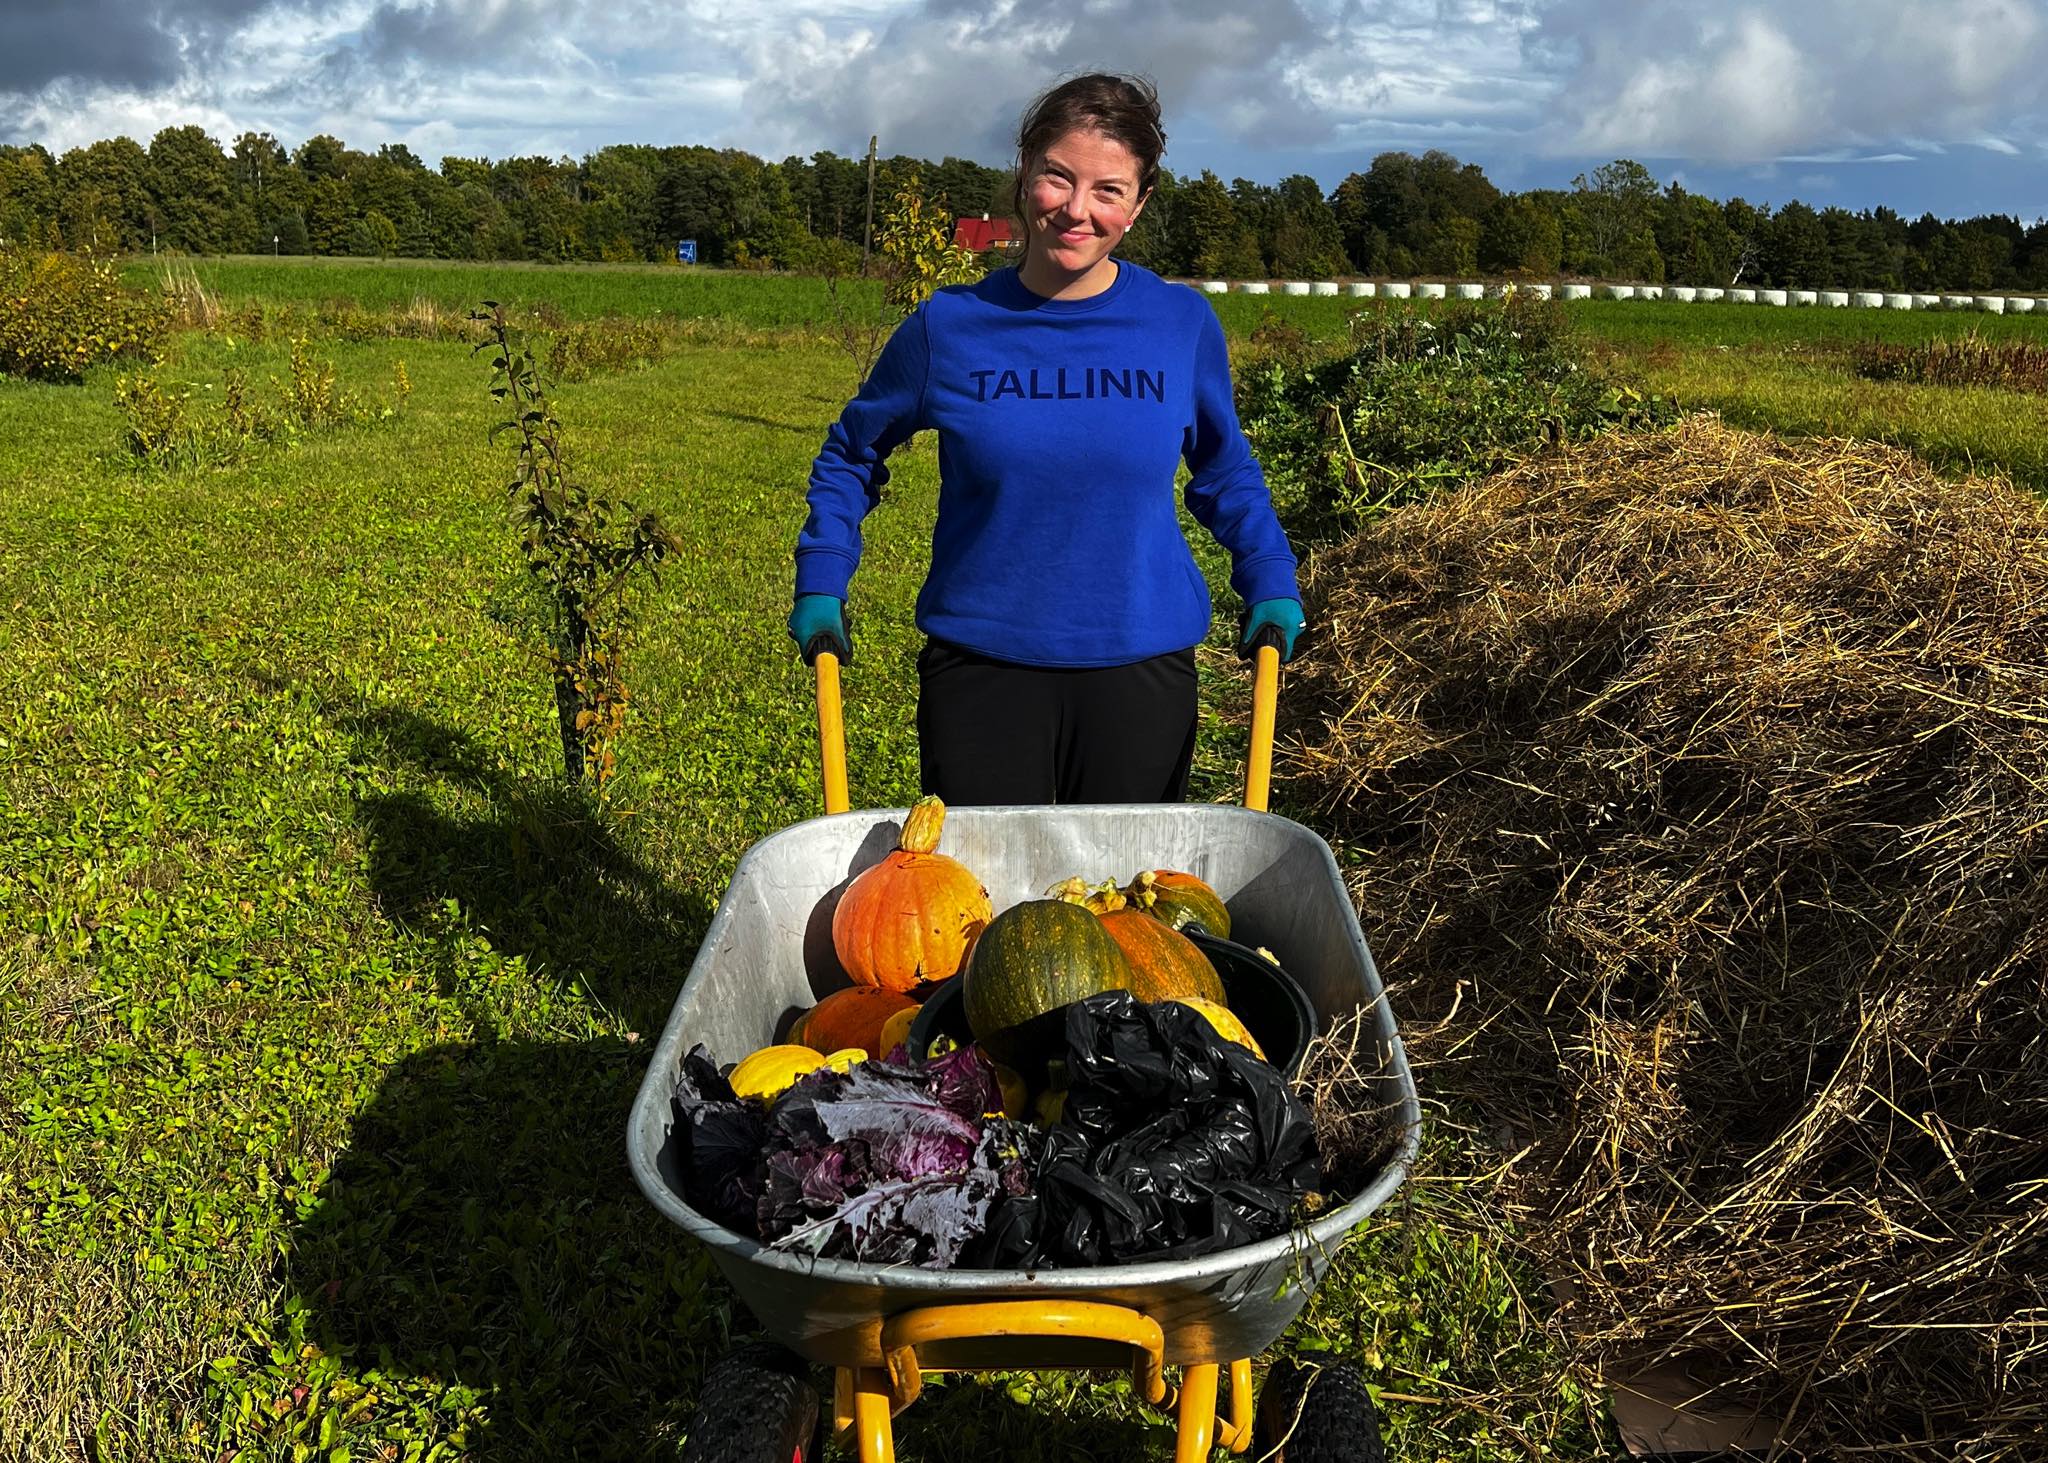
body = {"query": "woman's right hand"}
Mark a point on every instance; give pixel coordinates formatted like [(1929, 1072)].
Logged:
[(818, 622)]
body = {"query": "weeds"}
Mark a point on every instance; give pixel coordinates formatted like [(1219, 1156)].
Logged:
[(584, 548), (168, 428), (1415, 402), (1965, 360)]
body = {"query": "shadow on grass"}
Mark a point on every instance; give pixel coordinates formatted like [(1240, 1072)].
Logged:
[(481, 1231), (538, 871), (478, 1250)]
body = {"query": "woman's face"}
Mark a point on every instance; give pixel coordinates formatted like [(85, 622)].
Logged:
[(1081, 198)]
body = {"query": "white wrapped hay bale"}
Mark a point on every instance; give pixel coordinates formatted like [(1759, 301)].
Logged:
[(1294, 287), (1685, 294), (1429, 292), (1535, 291), (1323, 287), (1710, 294), (1869, 300), (1742, 297), (1471, 291), (1215, 287), (1834, 299), (1575, 292), (1770, 297), (1617, 292), (1991, 304), (1254, 287), (1958, 302), (1397, 290), (1898, 302), (1927, 302), (2021, 305), (1649, 292), (1805, 297), (1361, 289)]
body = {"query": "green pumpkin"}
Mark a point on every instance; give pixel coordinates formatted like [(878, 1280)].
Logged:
[(1033, 959), (1180, 900)]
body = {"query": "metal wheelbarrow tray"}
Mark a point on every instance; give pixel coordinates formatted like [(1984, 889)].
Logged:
[(768, 953)]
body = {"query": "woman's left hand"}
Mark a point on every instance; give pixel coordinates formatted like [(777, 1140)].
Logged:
[(1283, 615)]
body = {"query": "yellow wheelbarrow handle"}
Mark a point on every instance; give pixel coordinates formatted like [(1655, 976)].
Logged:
[(831, 732), (1258, 772)]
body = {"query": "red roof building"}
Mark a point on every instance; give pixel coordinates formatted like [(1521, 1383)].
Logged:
[(978, 234)]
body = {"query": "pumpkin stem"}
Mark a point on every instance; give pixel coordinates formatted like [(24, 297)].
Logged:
[(921, 827), (1140, 892), (1103, 898)]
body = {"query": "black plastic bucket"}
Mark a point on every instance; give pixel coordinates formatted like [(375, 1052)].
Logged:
[(1268, 1000)]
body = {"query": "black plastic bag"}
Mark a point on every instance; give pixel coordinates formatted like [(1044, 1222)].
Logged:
[(1174, 1142)]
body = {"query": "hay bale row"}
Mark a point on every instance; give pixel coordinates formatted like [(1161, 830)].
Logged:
[(1702, 780)]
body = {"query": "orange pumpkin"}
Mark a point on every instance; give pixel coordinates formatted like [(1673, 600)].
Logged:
[(1164, 963), (852, 1017), (913, 916)]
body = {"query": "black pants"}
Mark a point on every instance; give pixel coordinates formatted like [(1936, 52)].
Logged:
[(992, 732)]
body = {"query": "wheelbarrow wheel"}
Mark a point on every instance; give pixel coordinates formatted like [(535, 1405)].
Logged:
[(1317, 1414), (756, 1406)]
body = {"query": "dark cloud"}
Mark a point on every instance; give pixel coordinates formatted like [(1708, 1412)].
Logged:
[(126, 43)]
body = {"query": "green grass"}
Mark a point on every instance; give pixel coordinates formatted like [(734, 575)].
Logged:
[(321, 1005), (580, 291)]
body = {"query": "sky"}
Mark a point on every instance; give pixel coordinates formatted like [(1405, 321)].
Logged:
[(1924, 105)]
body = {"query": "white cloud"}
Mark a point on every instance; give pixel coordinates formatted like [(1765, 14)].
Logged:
[(1742, 82)]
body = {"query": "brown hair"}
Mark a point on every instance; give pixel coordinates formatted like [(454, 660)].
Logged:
[(1122, 108)]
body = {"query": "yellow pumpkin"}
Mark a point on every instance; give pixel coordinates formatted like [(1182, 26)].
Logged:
[(913, 916), (1225, 1021), (896, 1031), (773, 1070)]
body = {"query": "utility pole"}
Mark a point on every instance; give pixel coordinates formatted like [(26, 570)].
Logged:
[(867, 241)]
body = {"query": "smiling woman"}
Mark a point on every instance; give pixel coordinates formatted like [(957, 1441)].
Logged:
[(1063, 604)]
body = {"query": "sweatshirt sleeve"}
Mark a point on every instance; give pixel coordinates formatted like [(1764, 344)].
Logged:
[(1226, 489), (851, 469)]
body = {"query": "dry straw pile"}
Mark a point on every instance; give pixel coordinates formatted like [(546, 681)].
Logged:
[(1703, 783)]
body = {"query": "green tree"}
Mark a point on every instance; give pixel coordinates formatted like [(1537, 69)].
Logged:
[(374, 235), (1519, 236), (1616, 206), (1305, 239), (1796, 252), (195, 191), (28, 196), (1210, 236), (106, 196)]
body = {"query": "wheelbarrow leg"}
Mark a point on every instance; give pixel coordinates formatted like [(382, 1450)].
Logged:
[(871, 1416), (1197, 1414)]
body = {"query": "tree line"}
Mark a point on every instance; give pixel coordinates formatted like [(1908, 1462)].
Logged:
[(1404, 215)]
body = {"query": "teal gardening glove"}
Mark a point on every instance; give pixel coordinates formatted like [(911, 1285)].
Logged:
[(1282, 616), (818, 622)]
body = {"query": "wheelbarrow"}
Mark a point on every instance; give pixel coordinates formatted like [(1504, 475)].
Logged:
[(768, 954)]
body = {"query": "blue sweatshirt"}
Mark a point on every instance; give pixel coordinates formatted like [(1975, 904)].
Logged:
[(1061, 423)]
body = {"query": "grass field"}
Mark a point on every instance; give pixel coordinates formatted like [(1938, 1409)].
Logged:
[(322, 1003)]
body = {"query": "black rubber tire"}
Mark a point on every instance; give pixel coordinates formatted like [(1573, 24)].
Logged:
[(756, 1406), (1317, 1414)]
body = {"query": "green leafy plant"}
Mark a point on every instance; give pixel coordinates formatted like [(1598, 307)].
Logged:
[(916, 244), (584, 548), (1414, 401), (914, 256), (63, 313)]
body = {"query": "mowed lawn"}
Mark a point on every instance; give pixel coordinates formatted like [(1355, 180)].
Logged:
[(322, 1003)]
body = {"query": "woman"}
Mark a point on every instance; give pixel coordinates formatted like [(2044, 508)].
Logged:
[(1063, 605)]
